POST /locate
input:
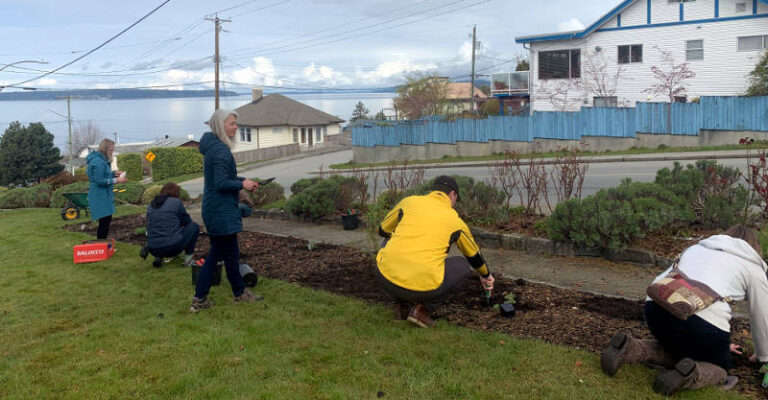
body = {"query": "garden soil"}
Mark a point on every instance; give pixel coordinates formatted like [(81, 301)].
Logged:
[(557, 315)]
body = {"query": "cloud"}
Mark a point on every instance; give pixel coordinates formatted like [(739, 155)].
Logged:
[(324, 75), (45, 82), (572, 24), (262, 72)]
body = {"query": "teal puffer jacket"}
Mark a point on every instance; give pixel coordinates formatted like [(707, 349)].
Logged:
[(220, 213)]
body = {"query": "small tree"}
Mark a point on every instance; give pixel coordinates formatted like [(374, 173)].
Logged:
[(671, 78), (598, 80), (421, 95), (758, 78), (380, 116), (27, 153), (84, 135), (522, 64), (360, 112)]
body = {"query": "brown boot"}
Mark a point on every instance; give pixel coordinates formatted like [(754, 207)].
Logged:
[(419, 315), (689, 374), (401, 311), (624, 349)]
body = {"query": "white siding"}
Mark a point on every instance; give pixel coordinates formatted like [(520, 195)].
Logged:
[(761, 8), (612, 22), (636, 14), (264, 137), (662, 11), (728, 8), (699, 9), (723, 72)]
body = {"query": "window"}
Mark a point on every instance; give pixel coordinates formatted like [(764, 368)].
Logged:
[(318, 135), (303, 135), (295, 135), (741, 7), (609, 101), (747, 43), (679, 1), (561, 64), (631, 54), (277, 129), (694, 50), (245, 134), (680, 99)]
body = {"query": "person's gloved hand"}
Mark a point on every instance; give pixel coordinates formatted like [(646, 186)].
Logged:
[(487, 282)]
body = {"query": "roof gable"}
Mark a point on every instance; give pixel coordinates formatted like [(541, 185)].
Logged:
[(278, 110)]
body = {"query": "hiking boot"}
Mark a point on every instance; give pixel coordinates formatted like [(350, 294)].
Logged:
[(200, 304), (624, 349), (248, 297), (144, 252), (401, 311), (689, 374), (158, 262), (419, 315)]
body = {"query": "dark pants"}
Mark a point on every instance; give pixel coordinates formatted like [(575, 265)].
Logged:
[(456, 271), (693, 338), (223, 248), (103, 230), (187, 243)]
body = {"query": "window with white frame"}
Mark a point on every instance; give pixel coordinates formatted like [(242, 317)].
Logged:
[(295, 135), (318, 135), (277, 129), (245, 134), (694, 50), (741, 7), (631, 53), (747, 43)]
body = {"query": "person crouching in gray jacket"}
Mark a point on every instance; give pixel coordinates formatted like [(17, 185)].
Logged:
[(170, 230), (697, 351)]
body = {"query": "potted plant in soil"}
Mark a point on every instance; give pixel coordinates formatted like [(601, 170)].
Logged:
[(349, 219)]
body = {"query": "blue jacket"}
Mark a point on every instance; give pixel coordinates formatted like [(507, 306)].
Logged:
[(101, 200), (166, 217), (220, 213)]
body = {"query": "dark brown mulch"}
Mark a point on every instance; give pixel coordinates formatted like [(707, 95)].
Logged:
[(561, 316)]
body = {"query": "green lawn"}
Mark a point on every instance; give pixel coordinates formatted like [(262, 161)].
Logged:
[(553, 154), (120, 329)]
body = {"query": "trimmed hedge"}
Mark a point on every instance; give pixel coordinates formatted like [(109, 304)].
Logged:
[(152, 191), (131, 195), (175, 161), (131, 164), (58, 200)]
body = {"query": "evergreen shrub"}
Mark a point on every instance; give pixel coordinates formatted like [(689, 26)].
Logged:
[(131, 164), (175, 161)]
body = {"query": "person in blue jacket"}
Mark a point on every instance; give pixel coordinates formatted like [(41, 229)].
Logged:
[(170, 230), (101, 200), (220, 212)]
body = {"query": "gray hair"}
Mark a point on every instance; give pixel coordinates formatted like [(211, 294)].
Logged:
[(216, 123)]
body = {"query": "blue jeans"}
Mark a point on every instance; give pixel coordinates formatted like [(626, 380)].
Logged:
[(693, 338), (187, 243), (223, 248)]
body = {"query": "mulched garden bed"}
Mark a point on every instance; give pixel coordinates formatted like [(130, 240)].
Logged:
[(561, 316)]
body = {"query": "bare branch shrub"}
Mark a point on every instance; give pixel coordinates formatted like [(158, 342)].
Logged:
[(568, 174), (560, 93), (670, 78), (400, 179)]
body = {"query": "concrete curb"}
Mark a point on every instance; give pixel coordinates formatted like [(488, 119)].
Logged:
[(320, 151), (546, 247), (550, 161)]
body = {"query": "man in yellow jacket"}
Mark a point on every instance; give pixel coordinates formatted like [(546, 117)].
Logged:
[(413, 266)]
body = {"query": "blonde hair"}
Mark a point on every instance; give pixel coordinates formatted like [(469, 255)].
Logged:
[(748, 235), (216, 123), (104, 148)]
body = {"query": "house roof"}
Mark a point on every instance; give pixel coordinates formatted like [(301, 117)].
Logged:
[(587, 31), (278, 110), (138, 147), (461, 90)]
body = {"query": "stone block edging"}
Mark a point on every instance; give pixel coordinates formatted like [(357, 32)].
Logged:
[(546, 247)]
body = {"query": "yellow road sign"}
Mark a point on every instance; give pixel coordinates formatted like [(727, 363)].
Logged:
[(150, 156)]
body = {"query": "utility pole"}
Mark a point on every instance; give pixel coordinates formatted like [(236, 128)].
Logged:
[(116, 141), (472, 88), (69, 123), (216, 20)]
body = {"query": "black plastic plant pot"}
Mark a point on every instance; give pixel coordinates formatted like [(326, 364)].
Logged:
[(507, 310), (349, 222), (215, 281)]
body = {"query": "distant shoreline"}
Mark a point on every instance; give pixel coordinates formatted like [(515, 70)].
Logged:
[(111, 94)]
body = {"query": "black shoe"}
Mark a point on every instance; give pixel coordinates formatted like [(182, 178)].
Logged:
[(144, 252), (158, 262), (613, 357)]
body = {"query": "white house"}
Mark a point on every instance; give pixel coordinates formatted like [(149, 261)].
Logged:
[(720, 40), (276, 120)]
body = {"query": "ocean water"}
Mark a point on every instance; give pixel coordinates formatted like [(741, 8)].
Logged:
[(148, 119)]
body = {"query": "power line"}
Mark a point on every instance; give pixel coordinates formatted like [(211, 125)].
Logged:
[(261, 8), (98, 47)]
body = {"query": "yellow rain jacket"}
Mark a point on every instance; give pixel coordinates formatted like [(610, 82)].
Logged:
[(421, 231)]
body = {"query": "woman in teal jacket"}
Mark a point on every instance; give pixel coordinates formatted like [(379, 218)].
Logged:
[(101, 201), (220, 212)]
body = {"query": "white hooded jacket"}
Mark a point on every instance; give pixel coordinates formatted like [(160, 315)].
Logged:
[(732, 268)]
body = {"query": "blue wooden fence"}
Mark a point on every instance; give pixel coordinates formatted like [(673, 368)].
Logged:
[(713, 113)]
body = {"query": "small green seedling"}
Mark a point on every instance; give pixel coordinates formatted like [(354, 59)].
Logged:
[(140, 231)]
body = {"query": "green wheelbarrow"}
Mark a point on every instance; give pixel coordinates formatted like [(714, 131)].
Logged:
[(75, 202)]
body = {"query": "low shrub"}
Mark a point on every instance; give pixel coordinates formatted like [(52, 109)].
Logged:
[(152, 191), (58, 200), (131, 164), (267, 194), (129, 192), (64, 178), (613, 218), (479, 203), (302, 184), (175, 161), (315, 201), (29, 197), (349, 190)]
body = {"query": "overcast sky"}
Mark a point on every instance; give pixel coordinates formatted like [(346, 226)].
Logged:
[(305, 44)]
